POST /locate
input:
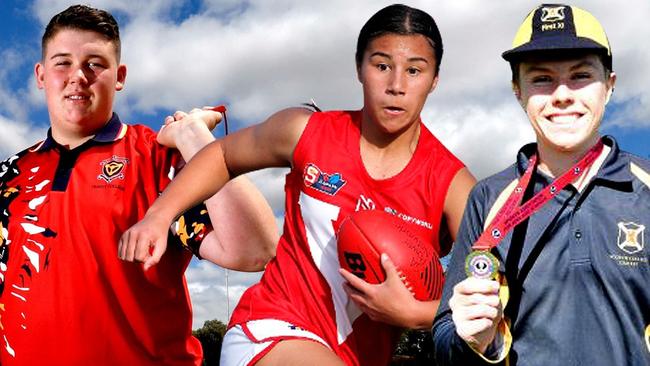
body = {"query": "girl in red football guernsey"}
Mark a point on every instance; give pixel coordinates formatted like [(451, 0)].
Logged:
[(380, 157)]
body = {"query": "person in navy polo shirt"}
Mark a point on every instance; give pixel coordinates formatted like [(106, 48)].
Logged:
[(65, 297), (551, 265)]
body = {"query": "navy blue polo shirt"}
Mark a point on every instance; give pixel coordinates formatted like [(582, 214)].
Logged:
[(577, 269)]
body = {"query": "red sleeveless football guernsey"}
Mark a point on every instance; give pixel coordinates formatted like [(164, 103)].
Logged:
[(327, 183)]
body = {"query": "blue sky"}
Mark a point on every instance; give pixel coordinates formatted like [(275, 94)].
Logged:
[(259, 56)]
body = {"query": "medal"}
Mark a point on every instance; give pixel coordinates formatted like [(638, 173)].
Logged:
[(482, 264)]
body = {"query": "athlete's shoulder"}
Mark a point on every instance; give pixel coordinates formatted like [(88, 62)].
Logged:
[(637, 160), (638, 166), (143, 138), (324, 133), (141, 131), (139, 143), (622, 164), (335, 116), (325, 123)]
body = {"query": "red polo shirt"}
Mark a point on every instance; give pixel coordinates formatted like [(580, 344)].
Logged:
[(65, 297)]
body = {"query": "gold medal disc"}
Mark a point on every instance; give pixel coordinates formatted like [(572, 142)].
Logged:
[(482, 264)]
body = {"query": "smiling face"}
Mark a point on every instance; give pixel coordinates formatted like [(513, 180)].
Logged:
[(397, 73), (80, 75), (565, 101)]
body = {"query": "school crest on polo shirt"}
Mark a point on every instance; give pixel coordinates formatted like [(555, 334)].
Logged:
[(631, 237), (630, 245), (112, 168)]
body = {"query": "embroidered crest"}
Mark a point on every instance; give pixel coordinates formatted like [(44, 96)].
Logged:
[(112, 168), (630, 237), (552, 14)]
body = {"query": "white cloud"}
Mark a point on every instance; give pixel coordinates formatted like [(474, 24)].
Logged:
[(471, 132), (9, 100), (17, 136), (255, 63), (45, 9), (207, 286), (271, 183), (15, 103)]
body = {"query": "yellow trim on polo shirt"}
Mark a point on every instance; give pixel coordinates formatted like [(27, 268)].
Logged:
[(640, 173), (503, 329), (588, 27), (504, 291), (2, 308), (525, 31), (37, 147), (122, 132), (499, 202), (647, 337)]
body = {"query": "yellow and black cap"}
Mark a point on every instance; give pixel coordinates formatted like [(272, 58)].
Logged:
[(557, 27)]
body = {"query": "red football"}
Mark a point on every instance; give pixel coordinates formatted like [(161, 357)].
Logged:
[(364, 235)]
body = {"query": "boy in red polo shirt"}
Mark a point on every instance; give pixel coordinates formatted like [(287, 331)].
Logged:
[(65, 297)]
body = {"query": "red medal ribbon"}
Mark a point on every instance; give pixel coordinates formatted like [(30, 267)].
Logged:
[(221, 109), (512, 213)]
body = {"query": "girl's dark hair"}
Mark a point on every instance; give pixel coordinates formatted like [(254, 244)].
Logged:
[(82, 17), (403, 20)]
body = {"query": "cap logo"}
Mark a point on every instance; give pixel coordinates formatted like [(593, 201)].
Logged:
[(559, 27), (554, 14)]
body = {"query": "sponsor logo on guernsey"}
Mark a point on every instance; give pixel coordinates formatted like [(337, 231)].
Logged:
[(112, 168), (631, 241), (321, 181), (407, 218), (364, 203)]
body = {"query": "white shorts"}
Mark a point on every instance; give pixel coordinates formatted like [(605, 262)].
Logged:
[(247, 343)]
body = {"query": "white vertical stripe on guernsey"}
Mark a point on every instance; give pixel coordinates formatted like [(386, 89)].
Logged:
[(318, 216)]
